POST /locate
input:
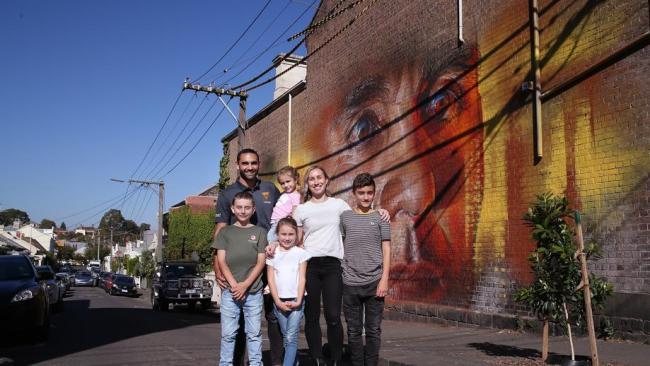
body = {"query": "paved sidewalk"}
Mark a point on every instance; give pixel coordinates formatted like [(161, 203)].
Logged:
[(416, 343), (412, 343)]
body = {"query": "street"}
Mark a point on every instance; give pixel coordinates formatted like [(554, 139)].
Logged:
[(98, 329)]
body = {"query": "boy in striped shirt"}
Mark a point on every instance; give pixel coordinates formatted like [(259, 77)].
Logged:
[(366, 264)]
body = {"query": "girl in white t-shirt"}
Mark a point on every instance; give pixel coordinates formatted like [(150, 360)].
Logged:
[(286, 276)]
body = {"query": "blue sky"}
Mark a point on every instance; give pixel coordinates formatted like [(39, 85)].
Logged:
[(86, 85)]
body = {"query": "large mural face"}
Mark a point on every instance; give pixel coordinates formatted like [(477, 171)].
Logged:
[(447, 134), (416, 126)]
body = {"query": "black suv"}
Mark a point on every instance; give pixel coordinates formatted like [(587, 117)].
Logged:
[(179, 282)]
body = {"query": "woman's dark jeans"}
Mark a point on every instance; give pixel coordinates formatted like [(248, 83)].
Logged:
[(357, 302), (324, 278)]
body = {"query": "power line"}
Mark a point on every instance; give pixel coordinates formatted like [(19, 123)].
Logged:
[(316, 50), (158, 134), (262, 33), (198, 141), (89, 208), (236, 41), (141, 212), (150, 173), (275, 43), (177, 122), (331, 15), (105, 207), (186, 138)]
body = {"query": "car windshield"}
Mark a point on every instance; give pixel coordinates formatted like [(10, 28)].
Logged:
[(180, 270), (83, 274), (15, 268), (124, 280)]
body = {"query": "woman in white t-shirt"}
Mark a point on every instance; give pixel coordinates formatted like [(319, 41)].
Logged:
[(318, 220), (319, 230)]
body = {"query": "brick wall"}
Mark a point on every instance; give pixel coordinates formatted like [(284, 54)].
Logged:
[(447, 133)]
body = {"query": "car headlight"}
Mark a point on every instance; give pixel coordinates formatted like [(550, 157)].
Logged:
[(207, 283), (23, 295)]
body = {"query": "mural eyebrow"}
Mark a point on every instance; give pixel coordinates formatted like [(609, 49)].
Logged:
[(371, 88)]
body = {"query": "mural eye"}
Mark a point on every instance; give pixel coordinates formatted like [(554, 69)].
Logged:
[(366, 124), (440, 103)]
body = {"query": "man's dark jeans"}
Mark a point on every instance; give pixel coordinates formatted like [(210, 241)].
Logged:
[(324, 277), (357, 302)]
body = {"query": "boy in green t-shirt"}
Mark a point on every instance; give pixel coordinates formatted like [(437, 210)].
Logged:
[(240, 252)]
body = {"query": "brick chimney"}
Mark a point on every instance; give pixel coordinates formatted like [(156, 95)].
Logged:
[(291, 78)]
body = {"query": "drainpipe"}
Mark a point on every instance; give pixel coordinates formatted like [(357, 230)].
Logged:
[(289, 134), (460, 23), (536, 84)]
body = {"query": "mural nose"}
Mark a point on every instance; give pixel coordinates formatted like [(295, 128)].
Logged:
[(401, 194)]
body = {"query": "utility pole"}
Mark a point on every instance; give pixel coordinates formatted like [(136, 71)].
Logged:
[(97, 243), (241, 119), (161, 201)]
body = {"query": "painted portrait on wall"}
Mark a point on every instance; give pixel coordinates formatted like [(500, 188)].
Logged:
[(415, 125)]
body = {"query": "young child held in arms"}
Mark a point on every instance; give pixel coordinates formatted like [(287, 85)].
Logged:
[(240, 252), (288, 178), (366, 265), (286, 277)]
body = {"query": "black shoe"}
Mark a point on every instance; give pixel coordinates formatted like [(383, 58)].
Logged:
[(319, 361)]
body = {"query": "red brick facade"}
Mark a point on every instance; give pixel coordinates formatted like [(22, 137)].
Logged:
[(447, 132)]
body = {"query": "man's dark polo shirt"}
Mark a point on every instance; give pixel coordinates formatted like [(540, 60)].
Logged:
[(265, 195)]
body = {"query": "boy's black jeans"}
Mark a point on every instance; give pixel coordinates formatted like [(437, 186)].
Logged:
[(357, 302)]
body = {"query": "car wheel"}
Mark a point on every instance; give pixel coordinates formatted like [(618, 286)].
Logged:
[(164, 305)]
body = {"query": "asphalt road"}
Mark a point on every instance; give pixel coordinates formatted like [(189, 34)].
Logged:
[(98, 329)]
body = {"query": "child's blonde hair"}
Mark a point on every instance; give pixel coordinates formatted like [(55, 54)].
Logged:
[(288, 170)]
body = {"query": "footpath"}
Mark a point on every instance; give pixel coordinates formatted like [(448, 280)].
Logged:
[(407, 343)]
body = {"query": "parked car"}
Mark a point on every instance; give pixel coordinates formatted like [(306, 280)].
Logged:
[(108, 282), (24, 303), (54, 290), (66, 278), (94, 271), (180, 282), (123, 285), (83, 278)]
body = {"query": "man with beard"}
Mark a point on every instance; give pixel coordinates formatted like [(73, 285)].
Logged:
[(265, 195)]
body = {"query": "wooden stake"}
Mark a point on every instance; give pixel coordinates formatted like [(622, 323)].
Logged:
[(545, 341), (587, 292)]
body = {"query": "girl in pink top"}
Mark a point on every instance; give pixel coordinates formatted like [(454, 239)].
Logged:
[(288, 178)]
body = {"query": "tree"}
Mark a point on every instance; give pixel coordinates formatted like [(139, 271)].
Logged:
[(91, 251), (63, 227), (112, 219), (553, 295), (190, 232), (47, 224), (65, 253), (8, 216), (147, 264), (144, 227), (131, 265), (224, 175)]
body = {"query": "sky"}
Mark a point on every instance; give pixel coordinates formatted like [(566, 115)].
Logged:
[(87, 85)]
